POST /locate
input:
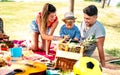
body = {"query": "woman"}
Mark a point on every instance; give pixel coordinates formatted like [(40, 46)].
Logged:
[(45, 25)]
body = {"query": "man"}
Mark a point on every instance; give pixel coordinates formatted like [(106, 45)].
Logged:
[(91, 26)]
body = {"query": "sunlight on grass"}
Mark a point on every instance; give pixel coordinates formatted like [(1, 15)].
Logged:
[(112, 38)]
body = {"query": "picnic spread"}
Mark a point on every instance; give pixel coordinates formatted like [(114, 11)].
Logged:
[(63, 56), (36, 62), (61, 59)]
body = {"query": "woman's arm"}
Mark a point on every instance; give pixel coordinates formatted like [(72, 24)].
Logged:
[(49, 37), (44, 34), (42, 31)]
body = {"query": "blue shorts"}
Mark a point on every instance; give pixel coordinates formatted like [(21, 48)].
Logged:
[(34, 27)]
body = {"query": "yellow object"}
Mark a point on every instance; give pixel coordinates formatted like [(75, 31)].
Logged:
[(29, 67), (62, 45), (87, 66), (61, 41)]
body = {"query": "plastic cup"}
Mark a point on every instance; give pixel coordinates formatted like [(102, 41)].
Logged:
[(16, 52)]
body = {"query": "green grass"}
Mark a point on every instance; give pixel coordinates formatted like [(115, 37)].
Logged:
[(18, 15), (114, 52)]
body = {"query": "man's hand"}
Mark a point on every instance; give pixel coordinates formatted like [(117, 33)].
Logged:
[(110, 66)]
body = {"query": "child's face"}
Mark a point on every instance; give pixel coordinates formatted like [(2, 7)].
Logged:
[(69, 23)]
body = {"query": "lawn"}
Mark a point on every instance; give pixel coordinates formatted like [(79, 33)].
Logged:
[(18, 15)]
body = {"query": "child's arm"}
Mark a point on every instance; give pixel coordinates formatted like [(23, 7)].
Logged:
[(62, 31), (77, 35)]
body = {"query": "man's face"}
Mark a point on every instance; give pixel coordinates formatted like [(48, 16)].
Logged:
[(90, 20)]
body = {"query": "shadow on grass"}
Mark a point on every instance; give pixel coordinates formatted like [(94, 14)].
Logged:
[(114, 52)]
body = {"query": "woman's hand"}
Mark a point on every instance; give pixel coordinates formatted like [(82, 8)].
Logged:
[(57, 38)]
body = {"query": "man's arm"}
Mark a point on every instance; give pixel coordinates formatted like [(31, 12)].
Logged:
[(100, 44)]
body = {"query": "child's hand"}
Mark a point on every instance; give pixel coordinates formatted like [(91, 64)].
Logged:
[(76, 39), (66, 37)]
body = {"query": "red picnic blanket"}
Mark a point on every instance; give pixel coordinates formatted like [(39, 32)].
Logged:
[(52, 52)]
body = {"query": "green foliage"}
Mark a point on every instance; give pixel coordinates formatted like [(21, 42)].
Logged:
[(89, 41), (118, 5), (113, 52)]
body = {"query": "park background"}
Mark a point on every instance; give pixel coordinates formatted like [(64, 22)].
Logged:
[(17, 17)]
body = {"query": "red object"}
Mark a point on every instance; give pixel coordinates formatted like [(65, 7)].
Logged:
[(43, 53), (4, 49)]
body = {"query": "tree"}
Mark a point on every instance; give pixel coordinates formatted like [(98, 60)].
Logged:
[(103, 3), (72, 6), (108, 2)]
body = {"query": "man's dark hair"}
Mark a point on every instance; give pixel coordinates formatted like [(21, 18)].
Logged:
[(91, 10)]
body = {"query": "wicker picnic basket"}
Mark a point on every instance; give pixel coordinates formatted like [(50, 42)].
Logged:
[(66, 60), (65, 64), (66, 56)]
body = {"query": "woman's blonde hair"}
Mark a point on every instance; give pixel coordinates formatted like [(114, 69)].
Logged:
[(47, 9)]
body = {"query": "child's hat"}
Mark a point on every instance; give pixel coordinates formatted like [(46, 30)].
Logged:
[(68, 15)]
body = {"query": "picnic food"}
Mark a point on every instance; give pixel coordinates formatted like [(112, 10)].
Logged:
[(69, 45), (3, 47), (2, 62), (10, 44), (88, 41)]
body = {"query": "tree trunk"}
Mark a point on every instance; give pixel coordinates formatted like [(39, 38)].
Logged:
[(72, 6), (108, 2), (103, 3)]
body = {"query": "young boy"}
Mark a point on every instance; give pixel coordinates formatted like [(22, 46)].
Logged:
[(69, 30)]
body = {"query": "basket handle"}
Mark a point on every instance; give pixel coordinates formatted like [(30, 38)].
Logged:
[(81, 51), (69, 41)]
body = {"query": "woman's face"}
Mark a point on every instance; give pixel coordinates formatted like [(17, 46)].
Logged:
[(51, 17)]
